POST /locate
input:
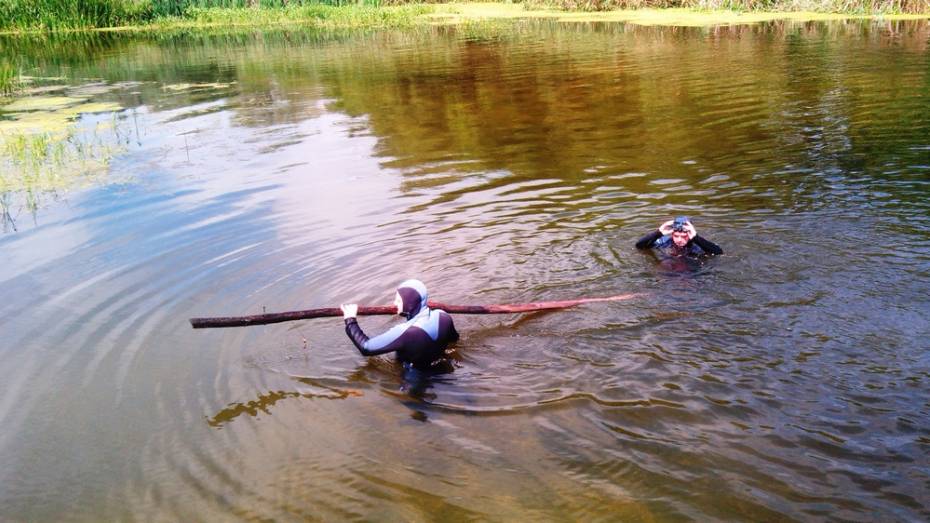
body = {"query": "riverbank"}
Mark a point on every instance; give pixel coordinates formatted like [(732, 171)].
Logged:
[(310, 16), (283, 169), (39, 140), (14, 19), (686, 17)]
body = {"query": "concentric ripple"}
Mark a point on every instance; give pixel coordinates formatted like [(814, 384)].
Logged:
[(785, 380)]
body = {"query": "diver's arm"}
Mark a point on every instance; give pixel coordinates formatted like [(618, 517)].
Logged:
[(389, 341), (708, 246), (453, 334), (648, 240)]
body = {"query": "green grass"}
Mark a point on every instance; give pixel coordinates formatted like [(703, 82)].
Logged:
[(24, 15), (66, 14), (818, 6), (47, 145), (9, 78), (318, 15), (46, 162), (83, 14)]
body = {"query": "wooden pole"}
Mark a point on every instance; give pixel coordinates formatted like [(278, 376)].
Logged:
[(513, 308)]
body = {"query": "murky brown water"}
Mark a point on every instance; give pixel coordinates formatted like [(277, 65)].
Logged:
[(786, 380)]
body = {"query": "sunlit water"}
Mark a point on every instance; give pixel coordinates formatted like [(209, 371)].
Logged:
[(787, 379)]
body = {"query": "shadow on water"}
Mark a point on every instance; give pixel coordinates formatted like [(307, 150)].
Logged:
[(411, 386), (264, 402)]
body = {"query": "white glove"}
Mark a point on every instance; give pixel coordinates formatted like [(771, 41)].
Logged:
[(349, 310)]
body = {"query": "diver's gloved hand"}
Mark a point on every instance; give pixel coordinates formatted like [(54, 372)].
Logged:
[(666, 228), (349, 310)]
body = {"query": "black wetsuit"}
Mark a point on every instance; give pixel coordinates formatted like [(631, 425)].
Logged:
[(695, 247), (420, 341)]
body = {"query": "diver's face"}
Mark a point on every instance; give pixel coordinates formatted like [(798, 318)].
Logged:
[(399, 303), (680, 238)]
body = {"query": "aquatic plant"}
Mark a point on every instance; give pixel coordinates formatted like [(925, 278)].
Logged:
[(46, 148), (49, 161), (311, 14), (158, 14), (62, 14), (10, 79), (489, 30), (77, 14), (36, 167)]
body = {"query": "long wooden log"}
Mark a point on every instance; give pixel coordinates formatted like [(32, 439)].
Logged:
[(278, 317)]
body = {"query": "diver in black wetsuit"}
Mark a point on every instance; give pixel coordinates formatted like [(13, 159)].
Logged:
[(678, 237), (420, 342)]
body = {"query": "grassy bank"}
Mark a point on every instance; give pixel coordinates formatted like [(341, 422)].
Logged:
[(9, 78), (44, 15), (52, 15), (859, 7), (680, 16), (317, 15)]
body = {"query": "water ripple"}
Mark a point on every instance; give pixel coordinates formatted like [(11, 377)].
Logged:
[(782, 381)]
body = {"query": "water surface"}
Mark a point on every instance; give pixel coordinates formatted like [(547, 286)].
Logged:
[(785, 380)]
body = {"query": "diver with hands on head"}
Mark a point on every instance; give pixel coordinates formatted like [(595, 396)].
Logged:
[(678, 237)]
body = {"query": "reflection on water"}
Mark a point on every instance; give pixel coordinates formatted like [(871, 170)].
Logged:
[(785, 380)]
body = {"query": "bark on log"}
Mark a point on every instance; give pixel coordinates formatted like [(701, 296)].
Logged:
[(512, 308)]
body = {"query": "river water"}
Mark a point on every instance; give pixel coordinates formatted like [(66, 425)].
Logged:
[(788, 379)]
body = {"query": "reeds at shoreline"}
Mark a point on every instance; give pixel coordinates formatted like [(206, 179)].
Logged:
[(852, 7), (9, 78), (84, 14), (51, 15)]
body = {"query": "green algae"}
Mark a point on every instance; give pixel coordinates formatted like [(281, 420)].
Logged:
[(91, 108), (42, 90), (46, 147), (47, 114), (34, 123), (40, 103), (54, 162), (190, 86)]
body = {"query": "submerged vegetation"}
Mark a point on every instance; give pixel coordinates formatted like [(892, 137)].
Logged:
[(24, 15), (49, 161), (46, 146), (10, 79)]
